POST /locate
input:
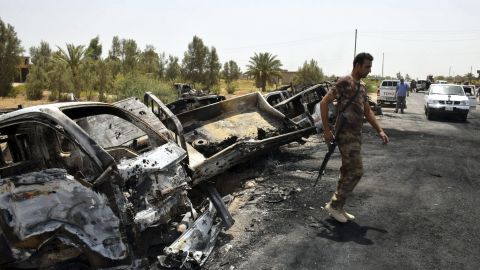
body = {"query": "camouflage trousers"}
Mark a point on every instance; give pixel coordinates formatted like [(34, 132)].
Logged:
[(352, 168)]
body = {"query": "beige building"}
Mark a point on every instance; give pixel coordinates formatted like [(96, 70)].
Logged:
[(287, 77)]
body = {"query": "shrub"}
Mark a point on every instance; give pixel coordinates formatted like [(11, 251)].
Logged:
[(36, 81), (16, 90), (215, 90), (231, 88), (134, 85)]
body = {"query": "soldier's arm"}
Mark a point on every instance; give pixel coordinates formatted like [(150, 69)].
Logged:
[(374, 123), (327, 99)]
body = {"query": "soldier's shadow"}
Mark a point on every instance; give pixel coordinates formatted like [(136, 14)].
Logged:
[(347, 232)]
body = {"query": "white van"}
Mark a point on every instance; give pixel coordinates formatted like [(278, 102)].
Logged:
[(386, 92)]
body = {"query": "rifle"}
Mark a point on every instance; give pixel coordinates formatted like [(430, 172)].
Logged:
[(331, 147)]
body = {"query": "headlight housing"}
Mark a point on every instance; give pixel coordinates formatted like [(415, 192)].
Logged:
[(464, 103), (433, 101)]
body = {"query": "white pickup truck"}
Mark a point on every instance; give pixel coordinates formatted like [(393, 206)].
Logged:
[(386, 92)]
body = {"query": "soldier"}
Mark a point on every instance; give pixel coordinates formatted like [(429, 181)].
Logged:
[(351, 95)]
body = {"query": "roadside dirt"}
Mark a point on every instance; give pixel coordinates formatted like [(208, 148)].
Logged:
[(416, 206)]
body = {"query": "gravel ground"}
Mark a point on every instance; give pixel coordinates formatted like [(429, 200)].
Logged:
[(416, 206)]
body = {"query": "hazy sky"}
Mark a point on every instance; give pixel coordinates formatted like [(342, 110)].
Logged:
[(417, 37)]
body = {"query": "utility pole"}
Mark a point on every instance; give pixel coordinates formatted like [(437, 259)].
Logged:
[(355, 49), (383, 58), (449, 71)]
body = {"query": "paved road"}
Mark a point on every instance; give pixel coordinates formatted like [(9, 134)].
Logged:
[(417, 205)]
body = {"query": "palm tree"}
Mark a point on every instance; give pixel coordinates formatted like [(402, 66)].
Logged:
[(72, 57), (263, 67)]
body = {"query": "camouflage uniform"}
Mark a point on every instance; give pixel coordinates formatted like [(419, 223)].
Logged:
[(350, 138)]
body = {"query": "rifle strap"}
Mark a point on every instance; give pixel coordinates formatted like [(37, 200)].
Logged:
[(351, 100)]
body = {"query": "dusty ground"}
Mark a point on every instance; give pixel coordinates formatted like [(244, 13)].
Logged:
[(416, 206)]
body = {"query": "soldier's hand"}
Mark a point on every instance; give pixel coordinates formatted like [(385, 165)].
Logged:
[(328, 135), (384, 137)]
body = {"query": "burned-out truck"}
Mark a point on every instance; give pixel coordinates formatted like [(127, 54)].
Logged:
[(221, 135)]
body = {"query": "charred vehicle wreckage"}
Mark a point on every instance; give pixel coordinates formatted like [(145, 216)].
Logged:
[(94, 185)]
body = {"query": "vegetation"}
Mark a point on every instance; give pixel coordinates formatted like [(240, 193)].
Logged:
[(231, 73), (10, 51), (129, 71), (200, 65), (309, 74), (264, 67)]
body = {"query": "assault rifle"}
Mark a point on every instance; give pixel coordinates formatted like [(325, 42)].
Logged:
[(331, 147)]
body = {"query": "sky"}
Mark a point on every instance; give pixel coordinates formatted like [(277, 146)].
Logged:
[(412, 37)]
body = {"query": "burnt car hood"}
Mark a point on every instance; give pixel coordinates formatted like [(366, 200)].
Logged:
[(156, 160)]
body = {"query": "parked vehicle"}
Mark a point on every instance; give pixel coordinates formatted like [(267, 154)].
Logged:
[(386, 92), (470, 93), (444, 99), (421, 85)]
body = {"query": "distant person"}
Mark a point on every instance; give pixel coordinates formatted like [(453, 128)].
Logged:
[(413, 86), (401, 95), (352, 103), (478, 92), (427, 85)]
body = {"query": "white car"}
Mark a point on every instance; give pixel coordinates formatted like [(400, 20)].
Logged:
[(386, 92), (443, 99)]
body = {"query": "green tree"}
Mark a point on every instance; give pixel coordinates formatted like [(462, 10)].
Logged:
[(162, 65), (41, 55), (59, 79), (194, 61), (309, 74), (231, 72), (88, 77), (149, 61), (38, 77), (173, 70), (212, 70), (104, 84), (264, 67), (37, 81), (72, 57), (94, 50), (116, 49), (114, 66), (407, 77), (130, 55), (10, 51)]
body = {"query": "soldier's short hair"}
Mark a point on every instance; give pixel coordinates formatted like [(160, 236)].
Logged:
[(360, 58)]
